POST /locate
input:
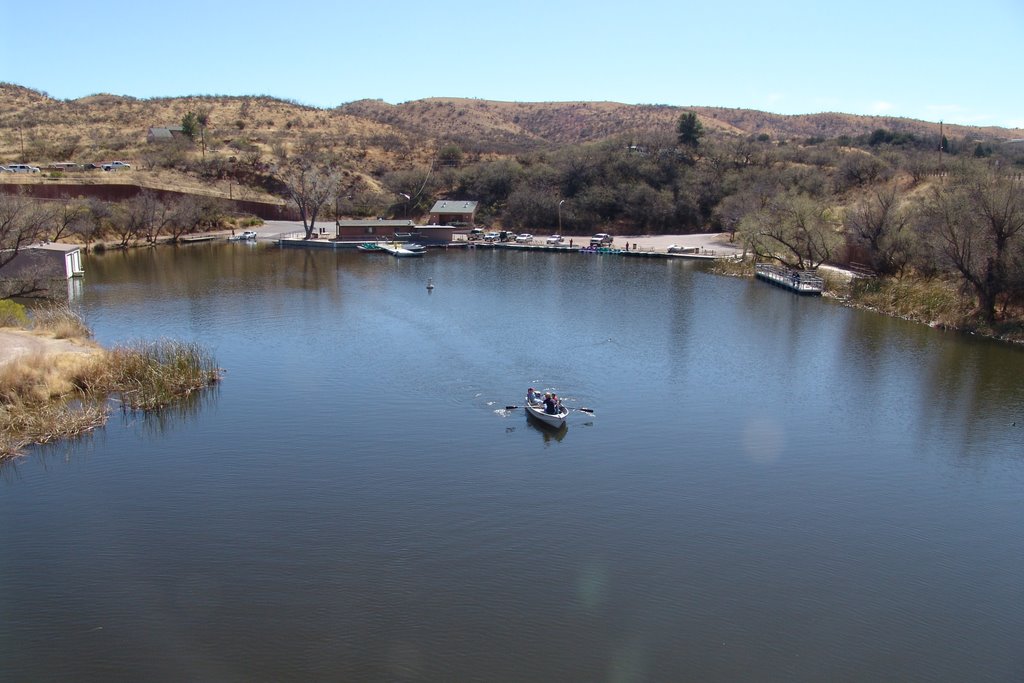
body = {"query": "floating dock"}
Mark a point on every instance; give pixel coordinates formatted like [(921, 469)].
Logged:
[(799, 281), (398, 249)]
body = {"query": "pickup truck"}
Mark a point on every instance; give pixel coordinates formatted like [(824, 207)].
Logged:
[(600, 239), (116, 166)]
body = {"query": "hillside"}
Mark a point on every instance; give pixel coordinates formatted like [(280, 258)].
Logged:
[(372, 136)]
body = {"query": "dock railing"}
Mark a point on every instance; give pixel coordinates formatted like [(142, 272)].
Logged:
[(800, 281)]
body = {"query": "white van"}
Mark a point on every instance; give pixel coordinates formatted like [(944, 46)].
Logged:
[(22, 168)]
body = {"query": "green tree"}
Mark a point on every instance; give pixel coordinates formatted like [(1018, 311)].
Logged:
[(689, 130), (190, 125), (194, 123)]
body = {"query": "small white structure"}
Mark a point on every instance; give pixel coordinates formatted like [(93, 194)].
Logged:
[(58, 258), (50, 262)]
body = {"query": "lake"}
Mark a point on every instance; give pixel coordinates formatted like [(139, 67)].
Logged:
[(769, 487)]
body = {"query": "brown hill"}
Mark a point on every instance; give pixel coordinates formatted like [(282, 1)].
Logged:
[(371, 137)]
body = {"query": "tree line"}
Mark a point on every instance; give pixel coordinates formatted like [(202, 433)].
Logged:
[(897, 203), (144, 218)]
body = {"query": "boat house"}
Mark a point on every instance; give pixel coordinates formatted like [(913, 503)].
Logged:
[(46, 261), (402, 230), (458, 213)]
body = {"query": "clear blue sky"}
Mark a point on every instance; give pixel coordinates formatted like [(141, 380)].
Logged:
[(961, 63)]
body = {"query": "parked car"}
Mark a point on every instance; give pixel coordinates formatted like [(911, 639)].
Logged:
[(600, 239), (506, 236), (475, 234), (490, 237), (524, 238), (116, 166), (22, 168), (554, 239)]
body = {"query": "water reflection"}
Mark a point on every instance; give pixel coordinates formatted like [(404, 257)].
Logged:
[(352, 502), (159, 422), (549, 433)]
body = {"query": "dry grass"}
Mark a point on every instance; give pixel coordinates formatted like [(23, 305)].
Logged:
[(935, 302), (58, 320), (40, 400), (152, 375), (367, 136), (25, 424), (40, 376), (46, 396)]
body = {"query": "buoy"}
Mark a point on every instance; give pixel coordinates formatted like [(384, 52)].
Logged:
[(430, 283)]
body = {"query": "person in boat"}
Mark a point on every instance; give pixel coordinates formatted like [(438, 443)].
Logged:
[(533, 396), (549, 404)]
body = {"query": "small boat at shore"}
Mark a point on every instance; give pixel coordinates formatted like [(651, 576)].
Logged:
[(537, 412), (414, 247), (369, 246)]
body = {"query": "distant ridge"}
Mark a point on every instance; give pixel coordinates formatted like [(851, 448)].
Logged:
[(376, 133)]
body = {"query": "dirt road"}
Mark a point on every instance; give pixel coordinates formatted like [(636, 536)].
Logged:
[(16, 343)]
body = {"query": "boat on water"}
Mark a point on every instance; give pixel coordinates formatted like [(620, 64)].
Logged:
[(399, 249), (369, 246), (413, 246), (537, 412), (247, 236)]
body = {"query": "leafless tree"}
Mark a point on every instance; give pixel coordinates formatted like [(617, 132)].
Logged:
[(68, 218), (310, 179), (141, 216), (22, 222), (794, 229), (978, 221), (880, 225), (189, 212), (99, 213)]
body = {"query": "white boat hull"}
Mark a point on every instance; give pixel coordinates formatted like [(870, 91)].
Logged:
[(537, 412)]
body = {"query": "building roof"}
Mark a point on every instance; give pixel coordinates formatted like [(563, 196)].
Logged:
[(164, 133), (55, 246), (371, 223), (37, 260), (454, 206)]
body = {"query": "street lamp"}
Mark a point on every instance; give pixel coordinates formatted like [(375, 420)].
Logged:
[(560, 216), (407, 198)]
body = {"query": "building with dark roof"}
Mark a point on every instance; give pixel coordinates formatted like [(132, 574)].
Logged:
[(460, 213)]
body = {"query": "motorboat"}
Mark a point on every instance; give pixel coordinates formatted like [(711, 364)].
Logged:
[(537, 412), (412, 246), (369, 246)]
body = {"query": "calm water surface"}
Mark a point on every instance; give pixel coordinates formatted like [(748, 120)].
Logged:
[(769, 487)]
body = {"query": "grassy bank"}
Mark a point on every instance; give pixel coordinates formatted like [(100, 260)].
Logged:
[(48, 395), (936, 302)]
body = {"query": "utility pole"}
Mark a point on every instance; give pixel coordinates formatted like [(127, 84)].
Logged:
[(942, 137)]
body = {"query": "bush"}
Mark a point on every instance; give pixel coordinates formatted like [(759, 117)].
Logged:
[(12, 314)]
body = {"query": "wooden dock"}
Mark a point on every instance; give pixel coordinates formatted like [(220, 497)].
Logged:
[(799, 281)]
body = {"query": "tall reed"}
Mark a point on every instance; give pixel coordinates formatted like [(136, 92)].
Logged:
[(151, 375), (44, 397)]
